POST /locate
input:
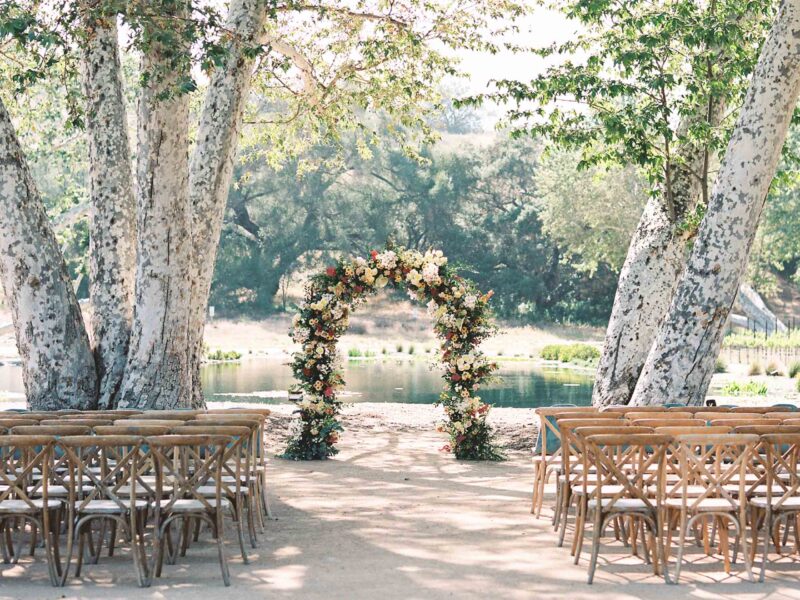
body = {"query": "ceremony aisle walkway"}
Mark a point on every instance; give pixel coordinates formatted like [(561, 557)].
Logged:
[(391, 517)]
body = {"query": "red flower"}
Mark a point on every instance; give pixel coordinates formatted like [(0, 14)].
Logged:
[(328, 392), (373, 254), (449, 335), (455, 377), (307, 372), (331, 271), (445, 448), (358, 289)]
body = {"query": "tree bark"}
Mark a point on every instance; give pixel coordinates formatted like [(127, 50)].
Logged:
[(57, 363), (680, 364), (112, 225), (157, 371), (648, 278), (212, 164)]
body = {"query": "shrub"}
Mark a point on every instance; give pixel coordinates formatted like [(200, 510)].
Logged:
[(399, 348), (354, 353), (384, 350), (773, 369), (755, 368), (797, 385), (794, 369), (720, 366), (751, 388), (411, 348), (369, 353), (229, 355), (574, 353)]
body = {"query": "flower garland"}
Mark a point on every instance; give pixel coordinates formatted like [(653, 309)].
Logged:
[(463, 319)]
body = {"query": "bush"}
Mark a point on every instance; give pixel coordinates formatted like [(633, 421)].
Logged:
[(720, 366), (797, 385), (751, 388), (773, 369), (399, 348), (794, 369), (570, 353), (229, 355), (411, 348), (755, 368), (354, 353)]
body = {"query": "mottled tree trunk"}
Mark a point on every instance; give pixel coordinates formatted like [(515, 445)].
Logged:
[(157, 372), (212, 163), (112, 226), (680, 364), (57, 363), (648, 279)]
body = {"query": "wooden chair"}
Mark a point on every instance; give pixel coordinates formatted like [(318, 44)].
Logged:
[(238, 479), (626, 409), (700, 430), (120, 457), (782, 498), (147, 423), (741, 422), (676, 414), (656, 422), (87, 422), (166, 415), (714, 416), (711, 462), (624, 478), (710, 409), (571, 466), (256, 420), (20, 457), (760, 409), (189, 461), (547, 447), (579, 491)]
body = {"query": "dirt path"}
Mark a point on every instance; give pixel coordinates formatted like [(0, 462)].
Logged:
[(393, 518)]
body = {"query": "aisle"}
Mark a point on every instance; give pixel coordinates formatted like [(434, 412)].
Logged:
[(393, 518)]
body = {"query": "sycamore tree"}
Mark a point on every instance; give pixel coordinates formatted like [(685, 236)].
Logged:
[(315, 69), (657, 85)]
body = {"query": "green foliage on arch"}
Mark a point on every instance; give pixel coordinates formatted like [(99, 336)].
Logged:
[(463, 320)]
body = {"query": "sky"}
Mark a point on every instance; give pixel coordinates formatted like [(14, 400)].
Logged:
[(541, 28)]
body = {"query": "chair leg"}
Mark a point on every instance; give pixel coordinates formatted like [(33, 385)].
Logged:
[(681, 543), (566, 503), (767, 527), (534, 498), (236, 514), (596, 533), (223, 562), (580, 531)]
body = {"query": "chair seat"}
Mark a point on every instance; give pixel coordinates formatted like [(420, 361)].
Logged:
[(192, 505), (705, 505), (107, 507), (623, 505), (210, 491), (607, 490), (59, 491), (125, 491), (18, 507), (790, 504)]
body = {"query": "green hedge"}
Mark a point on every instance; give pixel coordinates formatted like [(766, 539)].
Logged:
[(570, 353)]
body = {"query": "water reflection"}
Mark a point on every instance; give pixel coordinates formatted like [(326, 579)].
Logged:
[(523, 384)]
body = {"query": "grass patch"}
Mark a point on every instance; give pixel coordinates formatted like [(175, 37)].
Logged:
[(571, 353), (720, 366), (755, 369), (228, 355), (751, 388), (777, 340)]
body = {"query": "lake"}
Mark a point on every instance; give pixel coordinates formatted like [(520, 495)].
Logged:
[(522, 383)]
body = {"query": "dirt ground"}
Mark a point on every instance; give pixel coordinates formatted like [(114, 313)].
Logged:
[(393, 518)]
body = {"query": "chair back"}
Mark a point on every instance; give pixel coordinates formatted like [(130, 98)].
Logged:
[(632, 463), (780, 466), (740, 422), (656, 422), (712, 463), (22, 459), (663, 414)]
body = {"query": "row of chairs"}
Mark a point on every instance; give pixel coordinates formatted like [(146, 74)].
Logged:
[(704, 460), (138, 475)]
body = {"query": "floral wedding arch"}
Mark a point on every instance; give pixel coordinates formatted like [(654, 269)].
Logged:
[(462, 320)]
